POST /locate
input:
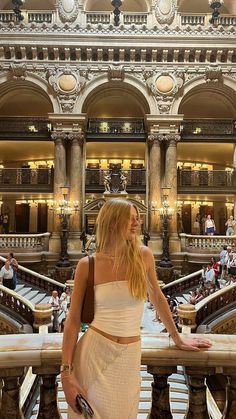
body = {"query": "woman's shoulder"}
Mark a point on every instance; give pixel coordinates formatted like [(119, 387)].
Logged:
[(146, 252)]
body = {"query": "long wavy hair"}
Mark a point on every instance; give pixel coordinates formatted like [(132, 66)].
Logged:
[(111, 234)]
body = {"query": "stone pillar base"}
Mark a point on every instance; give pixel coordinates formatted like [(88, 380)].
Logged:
[(63, 274), (165, 274)]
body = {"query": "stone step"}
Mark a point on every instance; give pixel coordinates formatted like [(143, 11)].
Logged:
[(31, 294), (38, 298), (24, 291)]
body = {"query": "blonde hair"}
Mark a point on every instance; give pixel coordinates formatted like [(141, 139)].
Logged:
[(113, 221)]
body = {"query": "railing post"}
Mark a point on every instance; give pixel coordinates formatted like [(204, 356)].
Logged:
[(230, 405), (48, 407), (187, 318), (43, 317), (197, 406), (160, 392), (10, 404)]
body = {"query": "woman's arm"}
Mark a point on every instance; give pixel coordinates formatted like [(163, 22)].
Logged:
[(158, 299)]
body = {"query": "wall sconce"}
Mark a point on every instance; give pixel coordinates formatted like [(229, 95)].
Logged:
[(165, 210)]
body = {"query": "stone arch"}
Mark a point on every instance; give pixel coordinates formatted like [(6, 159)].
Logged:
[(130, 86), (224, 93), (31, 83)]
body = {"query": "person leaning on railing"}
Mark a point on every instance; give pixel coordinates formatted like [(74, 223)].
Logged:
[(6, 276), (104, 365)]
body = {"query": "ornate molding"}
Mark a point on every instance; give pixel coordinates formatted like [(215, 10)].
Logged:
[(116, 73), (165, 11), (18, 71), (213, 74), (66, 135), (68, 10), (153, 138)]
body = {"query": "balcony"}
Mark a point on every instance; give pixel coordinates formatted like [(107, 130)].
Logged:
[(24, 128), (35, 16), (95, 180), (26, 179), (195, 130), (125, 129), (200, 19), (206, 181)]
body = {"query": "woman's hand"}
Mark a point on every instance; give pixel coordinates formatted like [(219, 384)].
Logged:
[(193, 344), (71, 389)]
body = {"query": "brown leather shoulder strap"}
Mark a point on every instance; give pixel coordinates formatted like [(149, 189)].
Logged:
[(91, 270)]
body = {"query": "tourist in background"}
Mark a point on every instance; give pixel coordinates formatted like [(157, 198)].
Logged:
[(6, 275), (14, 265), (196, 224), (230, 224), (55, 303), (210, 227)]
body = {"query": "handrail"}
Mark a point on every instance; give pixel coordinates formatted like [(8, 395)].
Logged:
[(214, 302), (26, 235), (179, 285), (17, 304), (42, 281)]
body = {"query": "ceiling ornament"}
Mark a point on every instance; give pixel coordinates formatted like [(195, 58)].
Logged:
[(116, 73), (165, 11), (164, 86), (18, 71), (68, 10), (213, 74)]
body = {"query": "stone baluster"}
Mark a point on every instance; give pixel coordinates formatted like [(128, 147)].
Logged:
[(197, 406), (154, 197), (171, 175), (10, 403), (230, 405), (42, 317), (160, 392), (48, 407)]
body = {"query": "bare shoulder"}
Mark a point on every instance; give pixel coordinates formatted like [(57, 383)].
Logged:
[(146, 254), (82, 267)]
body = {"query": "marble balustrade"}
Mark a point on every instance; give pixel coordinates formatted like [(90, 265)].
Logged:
[(32, 242), (42, 352), (200, 243)]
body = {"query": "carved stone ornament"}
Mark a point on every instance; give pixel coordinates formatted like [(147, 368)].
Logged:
[(18, 71), (64, 81), (213, 74), (68, 10), (165, 11), (165, 84), (116, 73)]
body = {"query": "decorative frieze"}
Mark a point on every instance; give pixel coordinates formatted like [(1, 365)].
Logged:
[(165, 11), (68, 10), (213, 74)]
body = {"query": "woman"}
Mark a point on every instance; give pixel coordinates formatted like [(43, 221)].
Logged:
[(210, 227), (6, 275), (104, 366), (230, 224)]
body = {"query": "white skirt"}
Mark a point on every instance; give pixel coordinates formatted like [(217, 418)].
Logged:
[(110, 373)]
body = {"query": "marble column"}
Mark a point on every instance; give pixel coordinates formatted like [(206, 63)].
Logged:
[(76, 178), (154, 182), (59, 168), (171, 176), (33, 219)]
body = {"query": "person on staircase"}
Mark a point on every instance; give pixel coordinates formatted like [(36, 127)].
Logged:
[(109, 354)]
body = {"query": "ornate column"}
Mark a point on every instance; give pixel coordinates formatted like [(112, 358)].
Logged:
[(48, 407), (230, 405), (197, 407), (59, 167), (171, 175), (154, 184), (76, 177)]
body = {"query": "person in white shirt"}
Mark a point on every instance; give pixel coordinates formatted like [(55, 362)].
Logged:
[(65, 300), (6, 276), (230, 224), (210, 227), (209, 280), (55, 303)]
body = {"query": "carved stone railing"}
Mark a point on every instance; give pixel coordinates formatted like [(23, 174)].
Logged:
[(19, 127), (202, 180), (43, 353), (135, 18), (28, 242), (182, 284), (33, 16), (28, 179), (203, 244), (34, 278), (195, 19), (18, 305), (211, 305), (95, 18)]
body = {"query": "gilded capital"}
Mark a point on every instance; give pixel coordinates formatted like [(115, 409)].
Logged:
[(76, 136), (58, 135), (154, 138), (173, 138)]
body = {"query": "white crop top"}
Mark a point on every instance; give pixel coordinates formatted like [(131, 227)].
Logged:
[(116, 311)]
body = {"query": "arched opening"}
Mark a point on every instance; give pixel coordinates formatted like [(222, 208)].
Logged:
[(127, 6)]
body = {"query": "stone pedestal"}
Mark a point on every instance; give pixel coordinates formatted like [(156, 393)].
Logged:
[(42, 315), (63, 274), (187, 317), (165, 275)]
